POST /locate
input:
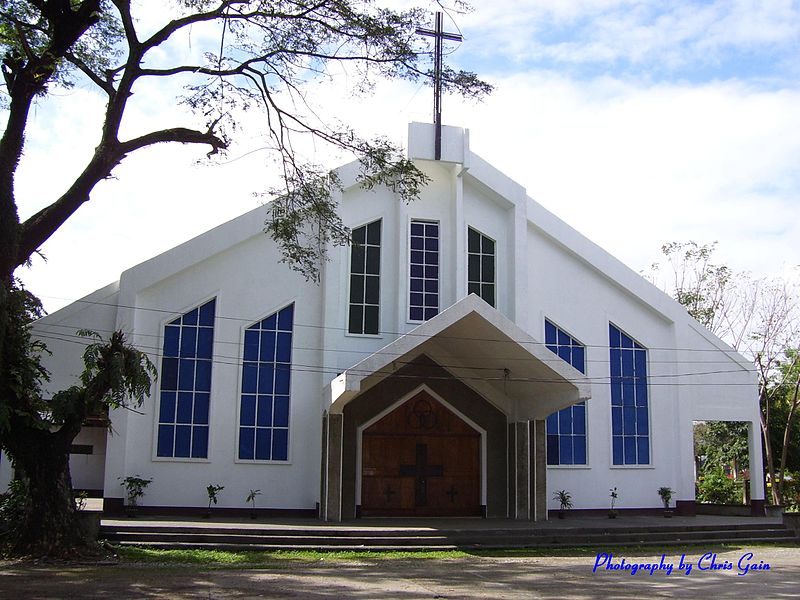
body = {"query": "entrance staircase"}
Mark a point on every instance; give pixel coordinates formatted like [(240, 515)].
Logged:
[(428, 535)]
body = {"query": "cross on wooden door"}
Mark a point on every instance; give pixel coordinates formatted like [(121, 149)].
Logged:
[(421, 470), (452, 493)]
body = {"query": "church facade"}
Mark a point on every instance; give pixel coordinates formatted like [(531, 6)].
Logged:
[(468, 355)]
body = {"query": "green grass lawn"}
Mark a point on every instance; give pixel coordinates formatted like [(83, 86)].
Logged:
[(255, 559)]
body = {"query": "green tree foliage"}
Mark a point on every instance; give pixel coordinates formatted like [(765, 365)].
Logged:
[(716, 487), (781, 415), (260, 55), (721, 443), (37, 433)]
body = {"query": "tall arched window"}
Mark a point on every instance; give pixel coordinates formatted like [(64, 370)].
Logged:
[(186, 384), (266, 383)]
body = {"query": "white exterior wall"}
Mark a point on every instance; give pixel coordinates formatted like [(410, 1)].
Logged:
[(581, 301), (544, 269), (692, 375), (249, 284), (87, 470)]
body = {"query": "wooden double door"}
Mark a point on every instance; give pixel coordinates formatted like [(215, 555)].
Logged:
[(421, 459)]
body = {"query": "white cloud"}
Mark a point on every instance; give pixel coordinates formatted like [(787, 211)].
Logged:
[(635, 166), (671, 34), (630, 164)]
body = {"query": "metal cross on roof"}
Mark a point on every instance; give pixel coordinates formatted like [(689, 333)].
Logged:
[(439, 36)]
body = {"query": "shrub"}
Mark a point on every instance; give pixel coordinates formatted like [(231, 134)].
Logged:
[(12, 506), (717, 488)]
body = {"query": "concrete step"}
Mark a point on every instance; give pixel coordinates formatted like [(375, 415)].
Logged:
[(419, 548), (175, 535)]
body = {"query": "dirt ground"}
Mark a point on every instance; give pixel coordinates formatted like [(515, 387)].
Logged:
[(720, 576)]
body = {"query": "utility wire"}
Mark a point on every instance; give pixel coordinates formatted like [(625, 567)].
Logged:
[(249, 321), (320, 369)]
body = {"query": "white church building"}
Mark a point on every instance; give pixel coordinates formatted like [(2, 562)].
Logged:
[(468, 355)]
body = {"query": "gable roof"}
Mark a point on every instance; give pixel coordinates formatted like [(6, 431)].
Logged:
[(482, 348)]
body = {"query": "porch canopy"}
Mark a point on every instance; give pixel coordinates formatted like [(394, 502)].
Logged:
[(485, 350)]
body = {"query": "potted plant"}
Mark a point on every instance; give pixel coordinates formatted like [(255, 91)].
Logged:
[(212, 491), (666, 495), (251, 498), (134, 488), (612, 513), (565, 501)]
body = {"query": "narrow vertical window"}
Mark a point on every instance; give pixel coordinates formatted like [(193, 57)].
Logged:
[(266, 379), (423, 302), (630, 427), (481, 265), (186, 384), (566, 429), (365, 279)]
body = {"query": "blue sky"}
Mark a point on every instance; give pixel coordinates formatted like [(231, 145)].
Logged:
[(636, 122), (654, 41)]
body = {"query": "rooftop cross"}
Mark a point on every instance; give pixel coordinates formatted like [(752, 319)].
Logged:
[(439, 36)]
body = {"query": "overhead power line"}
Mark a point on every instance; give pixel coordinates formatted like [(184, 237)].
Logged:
[(250, 321), (653, 379)]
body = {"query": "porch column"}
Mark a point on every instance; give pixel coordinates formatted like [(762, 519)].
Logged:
[(331, 489), (520, 493), (519, 470), (538, 477), (757, 499)]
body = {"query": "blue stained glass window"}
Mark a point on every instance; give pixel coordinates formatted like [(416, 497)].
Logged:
[(249, 377), (266, 383), (280, 442), (188, 341), (201, 406), (203, 374), (190, 318), (630, 427), (424, 269), (183, 440), (199, 442), (263, 445), (247, 443), (617, 450), (566, 429), (248, 414), (171, 340), (166, 412), (185, 405), (166, 440), (265, 407), (207, 315), (186, 366), (565, 449), (205, 342), (169, 373)]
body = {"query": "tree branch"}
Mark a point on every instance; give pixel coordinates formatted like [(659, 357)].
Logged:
[(103, 84), (39, 227), (176, 134)]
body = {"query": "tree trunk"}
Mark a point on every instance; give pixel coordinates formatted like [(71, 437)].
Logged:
[(50, 526), (786, 435), (768, 453)]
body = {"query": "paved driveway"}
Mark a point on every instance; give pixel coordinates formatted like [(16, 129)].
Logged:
[(473, 577)]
